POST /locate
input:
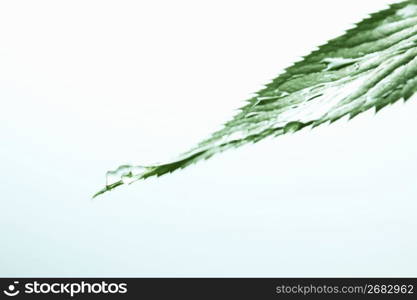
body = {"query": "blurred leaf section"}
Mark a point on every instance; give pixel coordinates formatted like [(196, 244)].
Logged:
[(372, 65)]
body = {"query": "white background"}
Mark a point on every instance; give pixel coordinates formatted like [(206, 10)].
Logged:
[(88, 85)]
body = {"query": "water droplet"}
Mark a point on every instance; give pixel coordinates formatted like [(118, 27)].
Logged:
[(137, 170), (293, 127), (267, 100), (127, 179), (124, 173), (335, 63), (111, 177)]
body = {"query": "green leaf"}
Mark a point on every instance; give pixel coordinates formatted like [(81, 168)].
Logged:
[(370, 66)]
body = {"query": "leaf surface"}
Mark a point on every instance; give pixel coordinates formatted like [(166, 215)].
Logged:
[(372, 65)]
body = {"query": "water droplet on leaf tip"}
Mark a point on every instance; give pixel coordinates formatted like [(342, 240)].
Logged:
[(112, 177), (124, 173), (127, 179)]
